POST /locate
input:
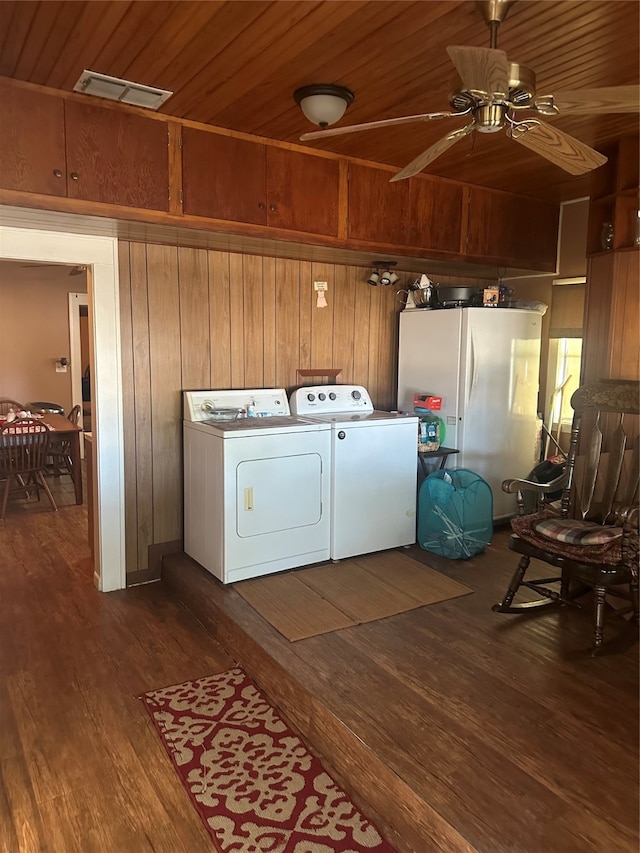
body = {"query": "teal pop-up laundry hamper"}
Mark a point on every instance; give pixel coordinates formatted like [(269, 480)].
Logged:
[(455, 513)]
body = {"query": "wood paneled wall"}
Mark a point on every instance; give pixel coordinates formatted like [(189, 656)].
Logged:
[(197, 318), (612, 314)]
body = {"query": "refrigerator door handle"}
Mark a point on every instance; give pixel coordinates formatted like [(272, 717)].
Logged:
[(474, 369)]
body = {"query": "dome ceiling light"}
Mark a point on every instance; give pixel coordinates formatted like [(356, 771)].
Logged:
[(323, 104)]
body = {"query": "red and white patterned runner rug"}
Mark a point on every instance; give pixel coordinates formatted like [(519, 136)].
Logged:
[(255, 785)]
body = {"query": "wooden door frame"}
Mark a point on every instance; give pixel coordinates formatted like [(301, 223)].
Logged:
[(75, 301), (22, 237)]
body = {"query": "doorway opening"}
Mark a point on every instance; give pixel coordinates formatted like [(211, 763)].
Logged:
[(22, 237), (564, 366)]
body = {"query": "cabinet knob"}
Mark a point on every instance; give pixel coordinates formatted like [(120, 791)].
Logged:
[(272, 207), (261, 205), (74, 176), (57, 173)]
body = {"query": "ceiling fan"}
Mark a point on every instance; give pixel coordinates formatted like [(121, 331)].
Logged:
[(491, 90)]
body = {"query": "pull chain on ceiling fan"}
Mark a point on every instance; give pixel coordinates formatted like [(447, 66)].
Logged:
[(491, 90)]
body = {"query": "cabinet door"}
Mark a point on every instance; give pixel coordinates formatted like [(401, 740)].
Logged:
[(302, 192), (223, 177), (116, 157), (512, 229), (435, 214), (32, 142), (378, 210)]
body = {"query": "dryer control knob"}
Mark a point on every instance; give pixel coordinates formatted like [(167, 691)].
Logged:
[(311, 397), (356, 395), (322, 396), (332, 395), (342, 434)]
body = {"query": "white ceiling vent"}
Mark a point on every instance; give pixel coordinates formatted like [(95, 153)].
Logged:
[(115, 89)]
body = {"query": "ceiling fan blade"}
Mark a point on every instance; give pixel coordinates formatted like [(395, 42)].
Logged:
[(371, 125), (565, 151), (613, 99), (484, 70), (430, 154)]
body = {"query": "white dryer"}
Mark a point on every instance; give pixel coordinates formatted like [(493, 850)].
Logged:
[(373, 468), (256, 489)]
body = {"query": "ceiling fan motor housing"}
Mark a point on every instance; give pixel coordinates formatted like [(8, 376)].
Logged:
[(522, 90)]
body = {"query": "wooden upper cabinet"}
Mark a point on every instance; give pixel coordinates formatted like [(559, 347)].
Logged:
[(302, 192), (377, 208), (223, 177), (116, 157), (435, 214), (421, 212), (243, 181), (32, 141), (511, 229)]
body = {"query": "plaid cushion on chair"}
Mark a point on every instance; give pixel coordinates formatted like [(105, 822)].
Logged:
[(576, 532), (609, 553)]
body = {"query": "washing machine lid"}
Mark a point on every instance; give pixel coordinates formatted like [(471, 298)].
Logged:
[(262, 402), (344, 420)]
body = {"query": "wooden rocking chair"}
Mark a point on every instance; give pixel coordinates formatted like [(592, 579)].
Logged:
[(591, 534)]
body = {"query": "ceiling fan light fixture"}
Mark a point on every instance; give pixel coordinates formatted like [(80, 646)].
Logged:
[(323, 104)]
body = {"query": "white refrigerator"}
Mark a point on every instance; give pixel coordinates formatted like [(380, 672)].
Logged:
[(484, 363)]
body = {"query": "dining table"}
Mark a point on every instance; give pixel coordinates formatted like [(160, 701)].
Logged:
[(62, 428)]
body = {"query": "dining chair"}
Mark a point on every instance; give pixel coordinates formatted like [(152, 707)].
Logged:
[(59, 460), (6, 405), (24, 444)]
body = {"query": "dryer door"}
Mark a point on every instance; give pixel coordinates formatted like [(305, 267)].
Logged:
[(276, 502), (278, 494)]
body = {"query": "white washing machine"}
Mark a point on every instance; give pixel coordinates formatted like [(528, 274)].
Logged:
[(256, 489), (373, 468)]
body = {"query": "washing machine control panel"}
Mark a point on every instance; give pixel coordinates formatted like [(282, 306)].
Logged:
[(327, 399)]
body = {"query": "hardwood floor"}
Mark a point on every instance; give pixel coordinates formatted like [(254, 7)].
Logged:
[(459, 728), (81, 767)]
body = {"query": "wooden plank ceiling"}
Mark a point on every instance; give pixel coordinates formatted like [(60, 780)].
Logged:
[(237, 64)]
